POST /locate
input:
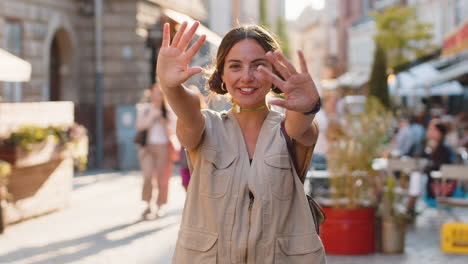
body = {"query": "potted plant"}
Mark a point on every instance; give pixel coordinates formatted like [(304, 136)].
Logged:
[(358, 140), (32, 145), (392, 216), (5, 170)]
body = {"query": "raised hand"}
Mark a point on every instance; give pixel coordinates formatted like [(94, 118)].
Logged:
[(174, 58), (301, 95)]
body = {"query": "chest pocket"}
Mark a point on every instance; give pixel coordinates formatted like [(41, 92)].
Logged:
[(216, 172), (279, 175)]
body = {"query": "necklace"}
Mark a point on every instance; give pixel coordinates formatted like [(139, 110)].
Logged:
[(238, 109)]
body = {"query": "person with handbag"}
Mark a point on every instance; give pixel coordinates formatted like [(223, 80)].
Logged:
[(245, 201), (155, 151)]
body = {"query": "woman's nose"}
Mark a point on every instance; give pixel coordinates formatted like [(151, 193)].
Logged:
[(248, 74)]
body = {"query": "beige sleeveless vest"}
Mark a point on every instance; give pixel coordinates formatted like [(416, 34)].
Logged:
[(222, 224)]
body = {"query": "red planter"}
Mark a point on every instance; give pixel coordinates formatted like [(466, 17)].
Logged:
[(348, 231)]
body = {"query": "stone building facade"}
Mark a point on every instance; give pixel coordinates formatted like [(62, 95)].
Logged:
[(58, 38)]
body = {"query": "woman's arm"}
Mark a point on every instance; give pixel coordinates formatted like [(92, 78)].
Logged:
[(301, 96), (173, 70)]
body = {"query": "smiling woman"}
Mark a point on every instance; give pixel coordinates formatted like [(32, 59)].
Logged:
[(240, 158)]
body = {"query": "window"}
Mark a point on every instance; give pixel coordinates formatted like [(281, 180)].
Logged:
[(13, 41)]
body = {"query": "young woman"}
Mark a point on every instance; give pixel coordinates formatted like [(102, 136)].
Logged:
[(154, 157), (245, 202)]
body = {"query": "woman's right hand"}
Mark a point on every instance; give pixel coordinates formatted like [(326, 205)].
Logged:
[(173, 59)]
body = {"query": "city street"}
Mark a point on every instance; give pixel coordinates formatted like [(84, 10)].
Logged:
[(102, 225)]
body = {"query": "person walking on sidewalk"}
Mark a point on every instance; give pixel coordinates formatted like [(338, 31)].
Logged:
[(154, 157), (245, 202)]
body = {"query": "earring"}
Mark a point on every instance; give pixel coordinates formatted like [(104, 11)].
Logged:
[(223, 87)]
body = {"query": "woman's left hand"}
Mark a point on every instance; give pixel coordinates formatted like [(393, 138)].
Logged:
[(299, 89)]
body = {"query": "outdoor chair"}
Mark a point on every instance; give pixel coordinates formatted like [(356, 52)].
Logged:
[(405, 166), (452, 172)]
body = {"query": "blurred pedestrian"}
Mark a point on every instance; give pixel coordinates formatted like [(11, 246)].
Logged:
[(245, 201), (403, 139), (437, 153), (155, 156), (418, 133)]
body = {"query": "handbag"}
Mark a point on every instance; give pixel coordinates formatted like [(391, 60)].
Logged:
[(318, 214), (140, 138)]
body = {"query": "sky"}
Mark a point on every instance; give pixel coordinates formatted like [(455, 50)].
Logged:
[(295, 7)]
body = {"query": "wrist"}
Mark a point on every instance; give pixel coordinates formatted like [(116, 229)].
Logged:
[(315, 108)]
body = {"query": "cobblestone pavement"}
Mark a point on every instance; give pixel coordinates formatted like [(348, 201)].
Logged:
[(103, 225)]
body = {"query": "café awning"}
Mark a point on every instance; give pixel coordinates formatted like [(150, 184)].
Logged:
[(13, 69), (354, 78), (178, 17)]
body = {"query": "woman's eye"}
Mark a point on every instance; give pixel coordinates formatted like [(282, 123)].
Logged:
[(234, 66)]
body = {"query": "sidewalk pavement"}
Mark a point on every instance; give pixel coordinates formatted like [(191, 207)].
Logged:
[(103, 225)]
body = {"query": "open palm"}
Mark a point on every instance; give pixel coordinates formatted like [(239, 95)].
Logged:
[(174, 58), (299, 89)]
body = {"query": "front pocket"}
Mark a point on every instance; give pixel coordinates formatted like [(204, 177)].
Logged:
[(196, 246), (298, 249), (279, 175), (216, 172)]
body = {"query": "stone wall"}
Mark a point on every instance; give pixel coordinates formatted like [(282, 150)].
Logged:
[(45, 185), (126, 58), (14, 115)]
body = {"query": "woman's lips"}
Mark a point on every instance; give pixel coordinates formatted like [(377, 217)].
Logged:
[(247, 91)]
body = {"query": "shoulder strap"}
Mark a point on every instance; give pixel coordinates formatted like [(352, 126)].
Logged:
[(300, 170)]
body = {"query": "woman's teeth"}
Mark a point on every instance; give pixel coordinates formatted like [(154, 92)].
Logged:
[(247, 90)]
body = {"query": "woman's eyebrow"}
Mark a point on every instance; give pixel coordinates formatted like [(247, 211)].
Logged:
[(254, 61), (260, 59)]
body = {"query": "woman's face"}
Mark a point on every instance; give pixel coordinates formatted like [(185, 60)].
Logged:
[(433, 133), (246, 85)]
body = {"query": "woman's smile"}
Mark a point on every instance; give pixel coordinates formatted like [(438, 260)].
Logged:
[(247, 90)]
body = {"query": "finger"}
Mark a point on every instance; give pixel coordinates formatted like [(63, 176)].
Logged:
[(280, 56), (166, 35), (178, 35), (183, 44), (196, 46), (278, 102), (192, 71), (278, 66), (273, 77), (302, 61)]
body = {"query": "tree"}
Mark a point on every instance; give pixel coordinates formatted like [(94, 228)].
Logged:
[(378, 79), (283, 36), (263, 13), (280, 27), (401, 35)]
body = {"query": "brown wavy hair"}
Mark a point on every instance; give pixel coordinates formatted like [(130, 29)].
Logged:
[(257, 33)]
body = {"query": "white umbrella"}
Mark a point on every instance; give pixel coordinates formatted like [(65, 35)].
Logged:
[(13, 69)]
